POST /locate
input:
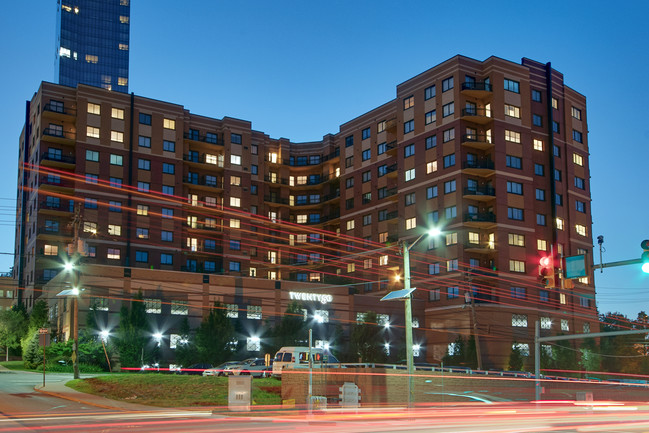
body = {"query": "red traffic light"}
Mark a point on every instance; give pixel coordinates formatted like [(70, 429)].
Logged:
[(545, 261)]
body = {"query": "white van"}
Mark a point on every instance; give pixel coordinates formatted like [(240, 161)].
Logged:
[(298, 357)]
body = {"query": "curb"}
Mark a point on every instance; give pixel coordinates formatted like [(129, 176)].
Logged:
[(78, 400)]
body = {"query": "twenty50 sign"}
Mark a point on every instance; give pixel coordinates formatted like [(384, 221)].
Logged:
[(323, 298)]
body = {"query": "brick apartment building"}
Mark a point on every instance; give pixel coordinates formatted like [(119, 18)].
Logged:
[(192, 209)]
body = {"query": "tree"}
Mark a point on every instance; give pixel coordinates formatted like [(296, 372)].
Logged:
[(185, 349), (366, 340), (32, 353), (291, 329), (516, 358), (214, 337), (464, 353), (38, 316), (131, 338), (13, 326), (590, 358)]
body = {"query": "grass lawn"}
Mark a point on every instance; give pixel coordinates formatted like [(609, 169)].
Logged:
[(171, 390), (14, 365)]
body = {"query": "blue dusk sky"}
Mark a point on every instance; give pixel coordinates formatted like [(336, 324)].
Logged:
[(299, 69)]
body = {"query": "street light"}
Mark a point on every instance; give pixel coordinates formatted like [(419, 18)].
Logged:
[(73, 294), (405, 294)]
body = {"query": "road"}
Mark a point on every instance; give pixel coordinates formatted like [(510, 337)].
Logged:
[(22, 409)]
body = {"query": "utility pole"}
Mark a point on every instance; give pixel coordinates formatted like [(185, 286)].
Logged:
[(76, 226)]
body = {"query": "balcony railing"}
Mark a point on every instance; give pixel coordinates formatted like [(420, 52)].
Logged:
[(62, 206), (479, 138), (480, 190), (485, 164), (477, 85), (202, 159), (203, 181), (278, 180), (482, 217), (475, 111), (61, 109), (277, 200), (46, 156), (211, 139), (53, 132)]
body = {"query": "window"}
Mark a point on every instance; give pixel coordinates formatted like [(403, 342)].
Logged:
[(540, 219), (555, 126), (518, 292), (452, 292), (434, 294), (166, 236), (513, 136), (431, 167), (558, 199), (580, 206), (367, 220), (142, 256), (576, 135), (408, 126), (559, 223), (538, 144), (537, 120), (169, 146), (235, 138), (90, 203), (410, 174), (449, 135), (94, 108), (512, 111), (92, 155), (433, 268), (519, 320), (144, 164), (429, 92), (450, 212), (539, 170), (577, 159), (431, 192), (449, 160), (555, 103), (117, 113), (452, 265), (350, 225), (451, 238), (90, 227), (235, 202), (349, 141), (516, 240), (153, 306), (144, 141), (115, 230), (116, 159), (512, 86), (114, 206), (115, 182), (366, 133), (408, 102), (409, 150), (113, 253), (449, 186), (143, 186), (540, 194), (142, 233), (536, 96), (557, 175), (448, 109), (411, 223), (366, 176), (380, 127), (514, 162), (514, 213), (145, 119), (235, 159), (91, 178), (447, 84), (410, 199), (514, 188), (117, 136), (580, 229), (431, 142), (92, 132), (516, 266), (50, 250), (576, 113), (169, 124), (234, 266), (565, 325)]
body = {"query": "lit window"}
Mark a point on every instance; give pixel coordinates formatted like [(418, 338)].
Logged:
[(91, 59), (577, 159), (254, 312), (90, 227), (451, 238), (513, 136), (383, 260), (512, 111), (581, 230), (380, 127), (516, 266), (519, 320), (431, 167), (117, 113), (235, 223), (117, 136), (516, 240), (123, 47), (408, 102), (235, 202), (153, 306), (410, 174), (92, 132), (115, 230), (546, 323), (576, 113), (123, 19), (350, 225), (235, 159), (169, 124), (538, 144), (94, 108), (411, 223), (541, 245), (51, 250), (559, 223), (565, 325), (113, 253)]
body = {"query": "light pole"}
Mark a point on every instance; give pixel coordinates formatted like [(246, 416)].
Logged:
[(406, 295), (104, 338), (74, 294)]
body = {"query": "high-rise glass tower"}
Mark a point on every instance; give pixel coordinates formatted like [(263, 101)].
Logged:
[(92, 43)]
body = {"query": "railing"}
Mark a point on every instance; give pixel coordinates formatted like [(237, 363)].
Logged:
[(480, 190), (56, 157), (482, 138), (62, 206), (489, 217), (57, 232), (218, 183), (60, 109), (475, 111), (203, 138), (56, 181), (278, 180), (278, 200), (51, 132), (202, 159), (486, 164), (477, 85)]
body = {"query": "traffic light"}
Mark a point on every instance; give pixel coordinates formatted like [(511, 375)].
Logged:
[(546, 271), (645, 255)]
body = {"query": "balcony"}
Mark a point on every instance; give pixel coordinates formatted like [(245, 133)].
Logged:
[(203, 159), (57, 160), (477, 141), (391, 148), (206, 138), (56, 207), (59, 112), (55, 183), (204, 182), (481, 193), (56, 135), (477, 115), (202, 226), (275, 179), (276, 200), (479, 167), (477, 89), (480, 220), (480, 247), (392, 171)]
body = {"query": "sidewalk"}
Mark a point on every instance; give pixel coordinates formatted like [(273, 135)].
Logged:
[(57, 388)]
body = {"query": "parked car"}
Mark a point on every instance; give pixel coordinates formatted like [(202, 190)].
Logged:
[(219, 370), (255, 367), (298, 357), (195, 368)]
